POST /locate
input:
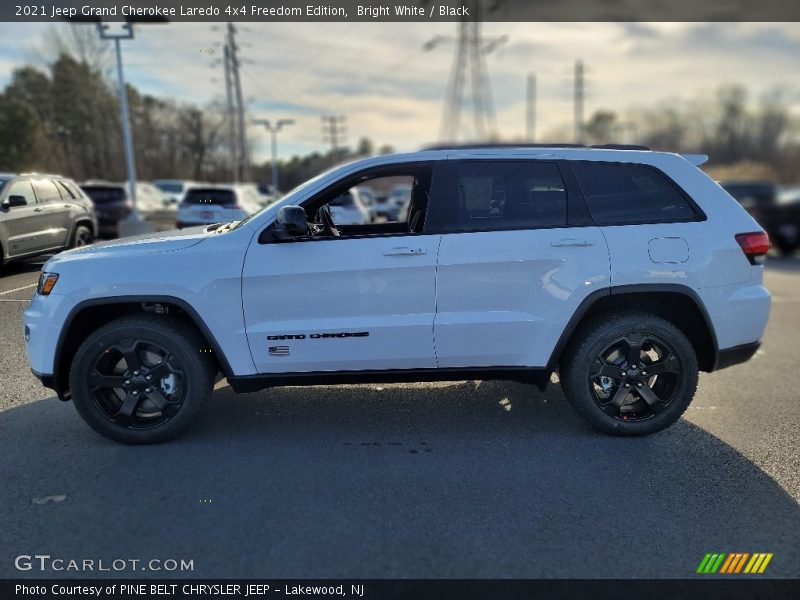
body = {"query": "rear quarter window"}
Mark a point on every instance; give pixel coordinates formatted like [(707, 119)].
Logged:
[(625, 194)]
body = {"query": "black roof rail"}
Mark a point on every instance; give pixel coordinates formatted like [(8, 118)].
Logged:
[(523, 146)]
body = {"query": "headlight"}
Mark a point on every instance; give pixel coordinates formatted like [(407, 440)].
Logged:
[(47, 281)]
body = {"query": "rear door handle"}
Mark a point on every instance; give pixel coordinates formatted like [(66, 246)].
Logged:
[(404, 251), (38, 209), (571, 242)]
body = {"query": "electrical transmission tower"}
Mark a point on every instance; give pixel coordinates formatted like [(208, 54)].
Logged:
[(233, 82), (579, 95), (334, 130), (469, 80)]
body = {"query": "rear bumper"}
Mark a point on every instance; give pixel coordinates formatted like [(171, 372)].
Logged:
[(728, 357)]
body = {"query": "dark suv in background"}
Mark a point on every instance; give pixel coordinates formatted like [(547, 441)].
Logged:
[(41, 214), (781, 220)]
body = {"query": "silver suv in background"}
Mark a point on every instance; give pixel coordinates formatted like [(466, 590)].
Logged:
[(41, 214)]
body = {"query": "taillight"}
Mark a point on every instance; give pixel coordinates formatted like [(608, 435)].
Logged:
[(755, 246)]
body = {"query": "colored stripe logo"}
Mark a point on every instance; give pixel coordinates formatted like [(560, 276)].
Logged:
[(734, 562)]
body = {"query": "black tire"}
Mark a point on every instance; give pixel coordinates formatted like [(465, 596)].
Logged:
[(128, 408), (81, 237), (599, 382)]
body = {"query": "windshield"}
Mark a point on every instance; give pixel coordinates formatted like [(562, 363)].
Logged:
[(170, 187)]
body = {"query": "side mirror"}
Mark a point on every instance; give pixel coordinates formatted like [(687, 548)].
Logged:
[(290, 223), (13, 201)]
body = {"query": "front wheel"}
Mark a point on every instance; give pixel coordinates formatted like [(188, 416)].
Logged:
[(141, 379), (630, 374)]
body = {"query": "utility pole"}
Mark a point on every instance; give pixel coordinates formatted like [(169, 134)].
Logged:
[(469, 79), (530, 109), (244, 159), (579, 93), (133, 223), (273, 130), (229, 116), (333, 130)]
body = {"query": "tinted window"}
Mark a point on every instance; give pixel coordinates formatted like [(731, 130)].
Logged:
[(169, 187), (210, 196), (618, 194), (104, 194), (22, 188), (46, 190), (509, 195)]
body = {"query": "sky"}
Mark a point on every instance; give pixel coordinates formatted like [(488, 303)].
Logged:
[(392, 90)]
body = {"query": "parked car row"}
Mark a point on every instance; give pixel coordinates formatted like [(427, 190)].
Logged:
[(776, 210)]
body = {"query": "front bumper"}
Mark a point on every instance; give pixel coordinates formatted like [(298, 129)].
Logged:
[(727, 357)]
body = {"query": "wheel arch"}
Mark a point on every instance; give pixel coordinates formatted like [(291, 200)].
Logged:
[(88, 315), (677, 303)]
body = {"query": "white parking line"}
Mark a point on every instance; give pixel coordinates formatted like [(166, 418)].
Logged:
[(11, 300), (19, 289)]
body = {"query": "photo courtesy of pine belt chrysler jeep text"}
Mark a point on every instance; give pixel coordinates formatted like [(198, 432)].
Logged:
[(625, 270)]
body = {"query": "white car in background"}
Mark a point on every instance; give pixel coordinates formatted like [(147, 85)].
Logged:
[(203, 205), (149, 199), (173, 190), (348, 209)]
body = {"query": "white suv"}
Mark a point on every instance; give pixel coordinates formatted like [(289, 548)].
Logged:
[(625, 270)]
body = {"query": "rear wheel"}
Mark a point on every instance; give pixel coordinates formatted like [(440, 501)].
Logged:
[(141, 379), (630, 374), (82, 236)]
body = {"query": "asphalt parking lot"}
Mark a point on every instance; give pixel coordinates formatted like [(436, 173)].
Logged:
[(463, 479)]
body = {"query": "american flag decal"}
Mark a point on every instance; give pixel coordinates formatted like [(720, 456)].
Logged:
[(279, 350)]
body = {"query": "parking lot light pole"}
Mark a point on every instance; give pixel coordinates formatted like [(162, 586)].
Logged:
[(117, 31), (273, 130)]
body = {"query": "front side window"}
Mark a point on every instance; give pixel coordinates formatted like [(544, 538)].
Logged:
[(501, 195), (24, 189), (622, 194)]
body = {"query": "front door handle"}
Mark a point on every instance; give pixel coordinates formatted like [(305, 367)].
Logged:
[(571, 243), (404, 251), (38, 209)]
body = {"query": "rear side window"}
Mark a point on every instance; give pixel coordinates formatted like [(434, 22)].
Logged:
[(623, 194), (210, 196), (509, 195), (46, 190)]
